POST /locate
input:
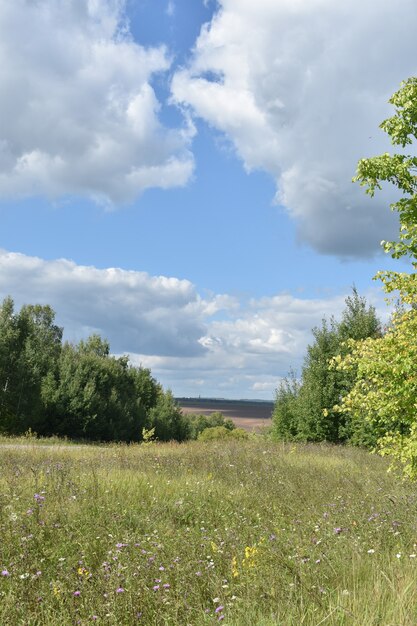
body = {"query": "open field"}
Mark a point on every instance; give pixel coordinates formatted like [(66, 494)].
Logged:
[(248, 534), (245, 414)]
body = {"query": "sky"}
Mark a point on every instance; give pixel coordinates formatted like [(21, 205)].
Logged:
[(176, 175)]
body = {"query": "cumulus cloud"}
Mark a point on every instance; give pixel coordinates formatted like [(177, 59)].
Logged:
[(138, 313), (300, 87), (79, 114), (213, 346)]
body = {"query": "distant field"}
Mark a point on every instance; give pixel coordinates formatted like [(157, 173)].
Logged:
[(246, 414)]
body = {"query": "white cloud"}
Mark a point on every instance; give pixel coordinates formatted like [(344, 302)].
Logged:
[(300, 87), (164, 324), (135, 311), (79, 114)]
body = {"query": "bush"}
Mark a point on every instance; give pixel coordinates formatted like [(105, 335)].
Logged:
[(198, 422), (222, 432), (215, 432)]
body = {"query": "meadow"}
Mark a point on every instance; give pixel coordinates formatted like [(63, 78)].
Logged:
[(241, 533)]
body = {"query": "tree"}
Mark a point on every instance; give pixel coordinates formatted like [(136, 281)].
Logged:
[(285, 417), (78, 391), (97, 396), (30, 345), (383, 397), (167, 418), (304, 410), (401, 171)]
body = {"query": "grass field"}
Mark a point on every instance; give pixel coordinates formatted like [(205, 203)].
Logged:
[(240, 533)]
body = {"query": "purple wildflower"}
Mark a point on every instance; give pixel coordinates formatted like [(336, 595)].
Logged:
[(166, 586), (337, 530), (155, 587), (76, 593), (219, 608), (5, 572), (120, 590)]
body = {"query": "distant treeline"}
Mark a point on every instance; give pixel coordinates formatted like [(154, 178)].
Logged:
[(79, 390)]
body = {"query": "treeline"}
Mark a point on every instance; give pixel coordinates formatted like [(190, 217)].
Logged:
[(81, 391)]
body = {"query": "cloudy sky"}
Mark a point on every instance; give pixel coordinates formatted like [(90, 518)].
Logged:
[(176, 175)]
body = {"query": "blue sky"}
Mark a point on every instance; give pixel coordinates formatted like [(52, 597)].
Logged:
[(177, 175)]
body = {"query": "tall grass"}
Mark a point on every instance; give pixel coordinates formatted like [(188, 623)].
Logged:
[(244, 533)]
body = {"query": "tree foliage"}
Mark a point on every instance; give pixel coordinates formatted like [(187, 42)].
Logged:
[(78, 391), (304, 409)]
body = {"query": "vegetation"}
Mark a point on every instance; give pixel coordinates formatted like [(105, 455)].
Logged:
[(385, 390), (240, 532), (304, 410), (199, 422), (80, 391)]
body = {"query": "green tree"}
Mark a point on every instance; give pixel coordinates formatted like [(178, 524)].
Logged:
[(304, 410), (95, 395), (30, 345), (167, 418), (285, 416), (383, 397)]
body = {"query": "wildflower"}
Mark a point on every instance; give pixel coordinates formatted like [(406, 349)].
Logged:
[(155, 587), (198, 574), (76, 593), (337, 530), (162, 568), (221, 617), (120, 590), (24, 576), (81, 571), (371, 551), (219, 608), (166, 586), (5, 572), (250, 554), (398, 555)]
